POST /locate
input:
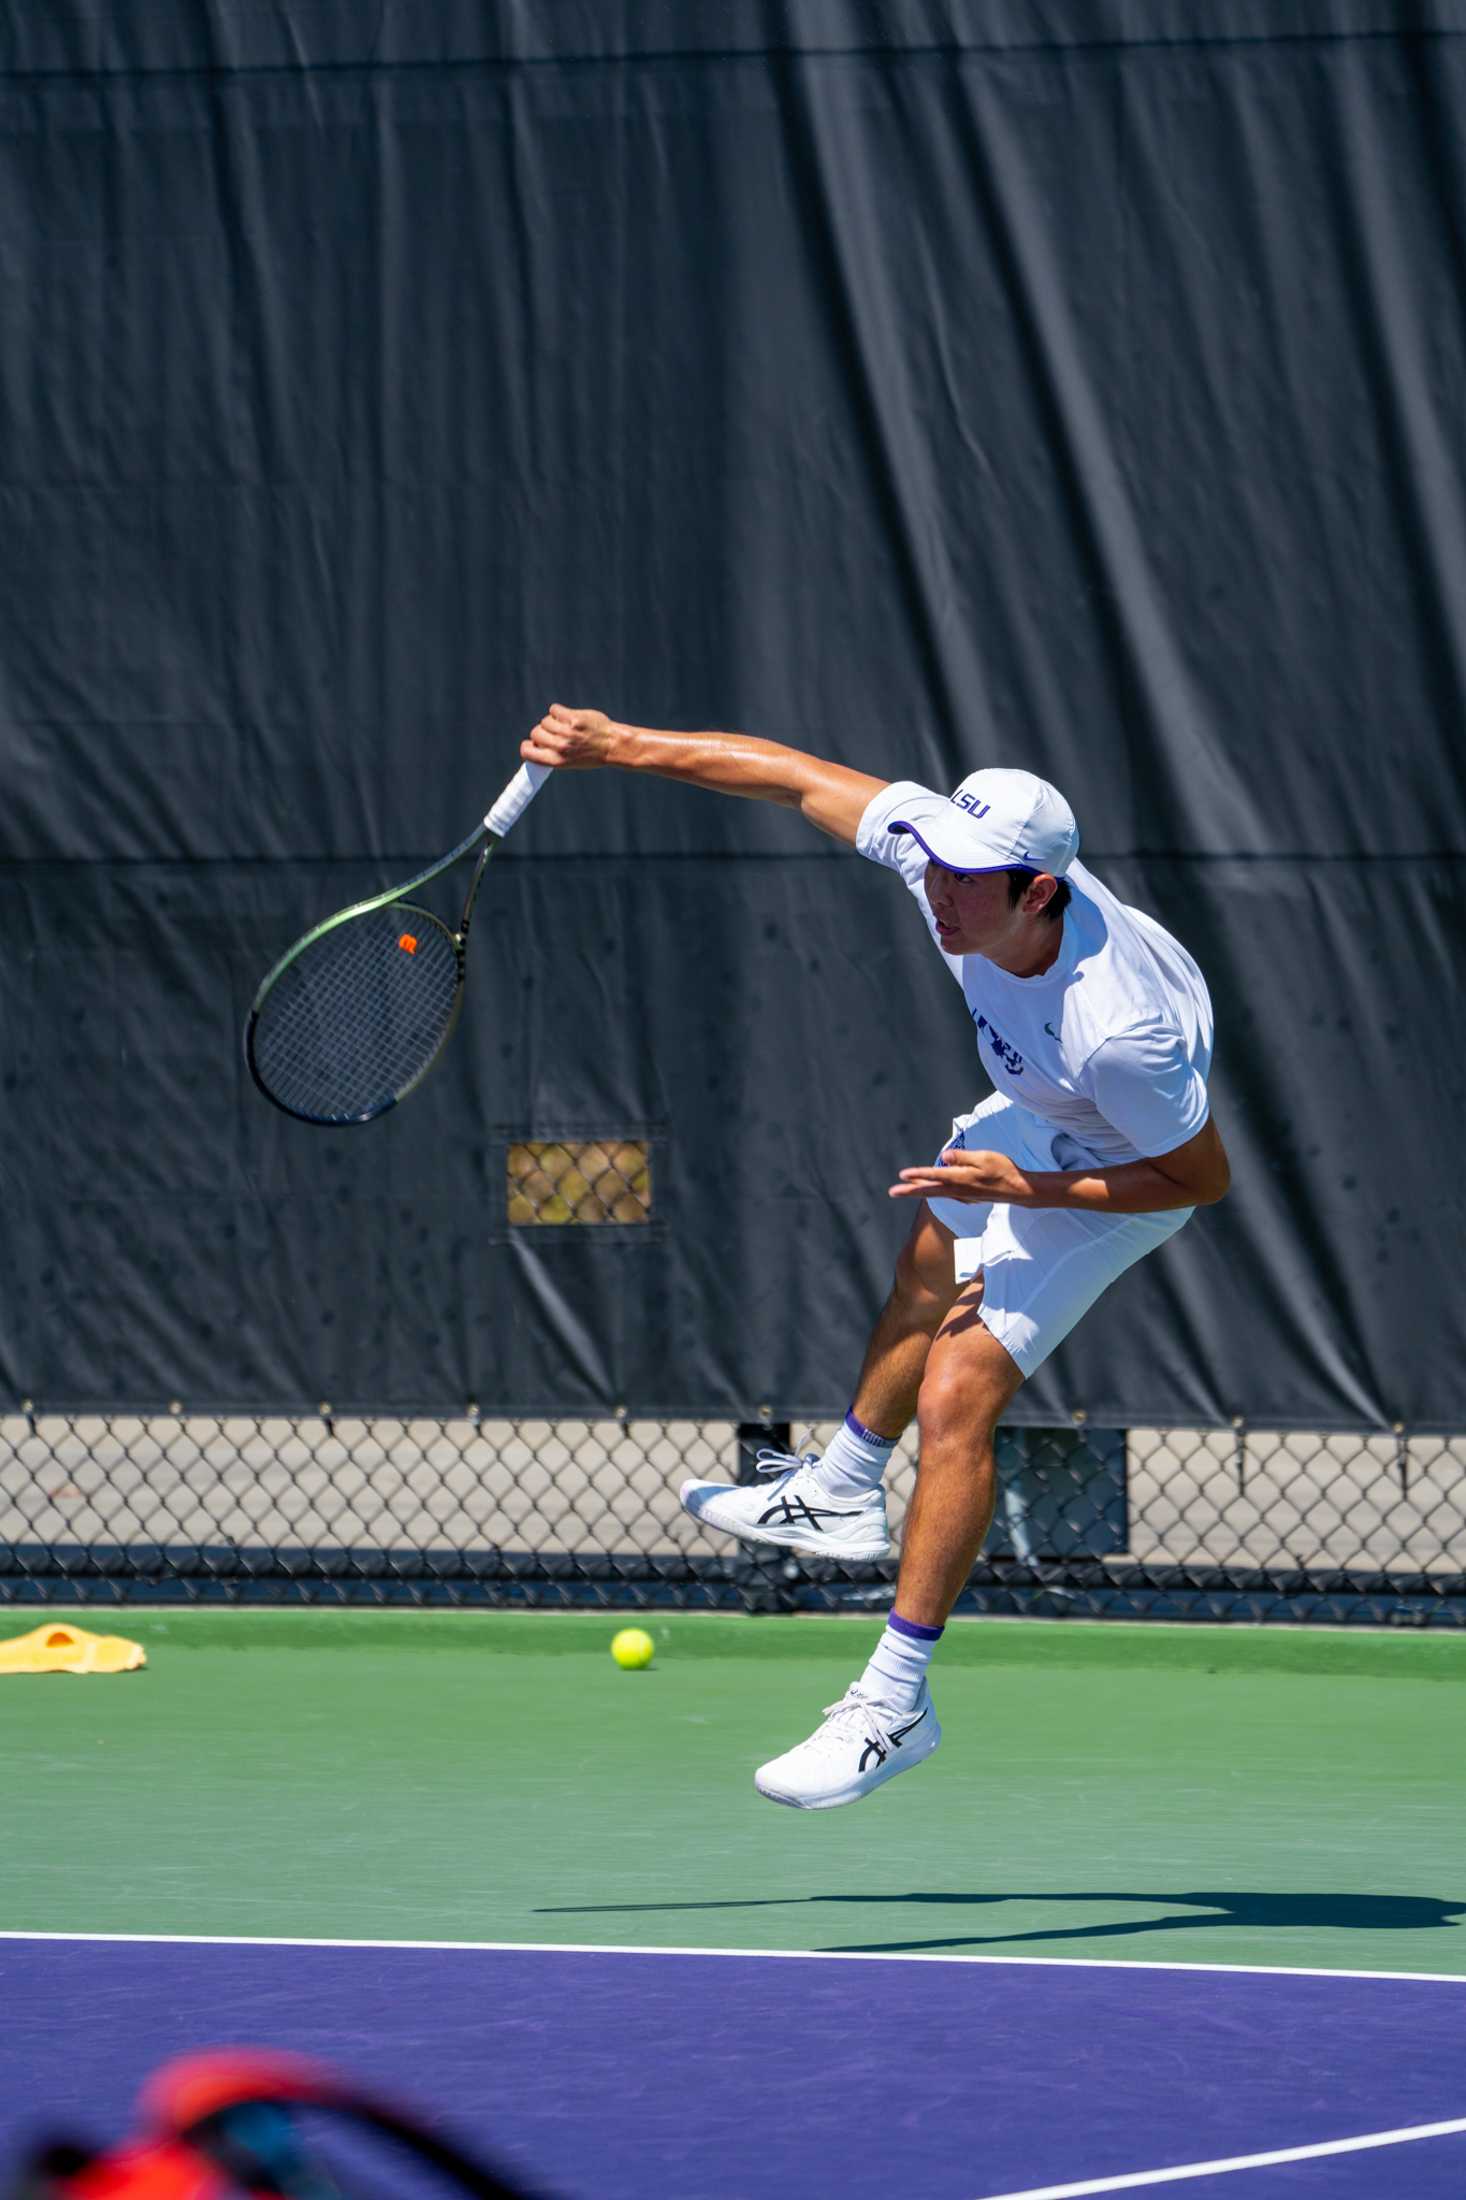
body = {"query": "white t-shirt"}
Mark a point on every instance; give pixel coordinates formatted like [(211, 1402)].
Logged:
[(1112, 1044)]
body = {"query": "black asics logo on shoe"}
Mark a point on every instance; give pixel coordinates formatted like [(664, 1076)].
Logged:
[(793, 1512), (875, 1747)]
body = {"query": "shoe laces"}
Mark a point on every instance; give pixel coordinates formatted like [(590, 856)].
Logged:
[(854, 1710), (770, 1461)]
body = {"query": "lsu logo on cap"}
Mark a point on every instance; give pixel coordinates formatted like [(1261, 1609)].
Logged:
[(970, 803)]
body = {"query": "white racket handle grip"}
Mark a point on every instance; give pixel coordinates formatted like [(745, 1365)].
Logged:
[(517, 797)]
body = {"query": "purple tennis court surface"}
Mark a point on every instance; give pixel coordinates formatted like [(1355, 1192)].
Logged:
[(723, 2077)]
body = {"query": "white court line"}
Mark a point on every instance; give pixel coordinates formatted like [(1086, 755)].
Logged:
[(1131, 2182), (1175, 2176), (762, 1955)]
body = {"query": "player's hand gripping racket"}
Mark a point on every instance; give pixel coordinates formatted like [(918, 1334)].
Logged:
[(355, 1015)]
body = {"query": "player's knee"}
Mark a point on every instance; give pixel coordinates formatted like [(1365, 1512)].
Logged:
[(958, 1403)]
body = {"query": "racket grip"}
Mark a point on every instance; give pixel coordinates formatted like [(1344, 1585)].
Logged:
[(517, 797)]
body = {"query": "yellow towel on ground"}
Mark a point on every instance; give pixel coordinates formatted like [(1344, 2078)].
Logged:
[(57, 1648)]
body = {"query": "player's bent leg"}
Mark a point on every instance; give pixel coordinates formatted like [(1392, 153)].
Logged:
[(886, 1723), (834, 1507)]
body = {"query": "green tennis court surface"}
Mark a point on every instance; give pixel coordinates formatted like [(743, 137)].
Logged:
[(1159, 1794)]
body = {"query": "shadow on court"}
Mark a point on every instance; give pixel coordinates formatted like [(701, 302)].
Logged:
[(1232, 1908)]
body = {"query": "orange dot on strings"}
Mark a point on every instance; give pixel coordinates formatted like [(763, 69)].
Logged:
[(408, 944)]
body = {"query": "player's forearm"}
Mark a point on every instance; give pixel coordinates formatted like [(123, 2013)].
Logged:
[(830, 796), (1193, 1174), (728, 763), (1129, 1188)]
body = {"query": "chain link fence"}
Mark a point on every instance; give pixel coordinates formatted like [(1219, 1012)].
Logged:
[(1237, 1524)]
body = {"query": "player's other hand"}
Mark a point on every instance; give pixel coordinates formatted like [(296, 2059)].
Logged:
[(569, 740), (970, 1177)]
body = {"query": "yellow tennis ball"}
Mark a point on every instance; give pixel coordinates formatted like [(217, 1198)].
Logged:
[(632, 1649)]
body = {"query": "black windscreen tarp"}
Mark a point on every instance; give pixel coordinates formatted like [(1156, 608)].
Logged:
[(925, 386)]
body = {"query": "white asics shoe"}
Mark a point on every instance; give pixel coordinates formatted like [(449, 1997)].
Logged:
[(861, 1744), (792, 1512)]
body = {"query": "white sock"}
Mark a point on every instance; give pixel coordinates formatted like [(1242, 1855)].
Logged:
[(854, 1461), (898, 1667)]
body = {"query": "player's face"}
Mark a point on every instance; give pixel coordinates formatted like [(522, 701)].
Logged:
[(973, 914)]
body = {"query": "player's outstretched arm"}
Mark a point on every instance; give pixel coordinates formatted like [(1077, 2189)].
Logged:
[(829, 795)]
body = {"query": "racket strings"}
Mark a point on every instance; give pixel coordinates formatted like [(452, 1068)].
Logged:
[(358, 1015)]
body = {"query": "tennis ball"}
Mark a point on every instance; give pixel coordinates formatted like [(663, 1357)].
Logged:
[(632, 1649)]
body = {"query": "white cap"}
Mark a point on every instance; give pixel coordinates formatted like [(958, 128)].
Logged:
[(994, 821)]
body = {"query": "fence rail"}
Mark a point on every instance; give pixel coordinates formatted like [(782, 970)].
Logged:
[(1236, 1524)]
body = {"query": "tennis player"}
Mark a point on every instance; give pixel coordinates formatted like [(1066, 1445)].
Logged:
[(1096, 1145)]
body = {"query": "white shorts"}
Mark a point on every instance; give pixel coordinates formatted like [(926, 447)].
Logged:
[(1042, 1267)]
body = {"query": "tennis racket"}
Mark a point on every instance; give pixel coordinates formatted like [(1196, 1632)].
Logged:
[(354, 1016)]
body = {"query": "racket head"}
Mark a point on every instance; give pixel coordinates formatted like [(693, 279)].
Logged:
[(356, 1014)]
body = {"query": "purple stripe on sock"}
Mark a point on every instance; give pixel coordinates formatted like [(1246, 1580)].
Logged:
[(867, 1435), (910, 1627)]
